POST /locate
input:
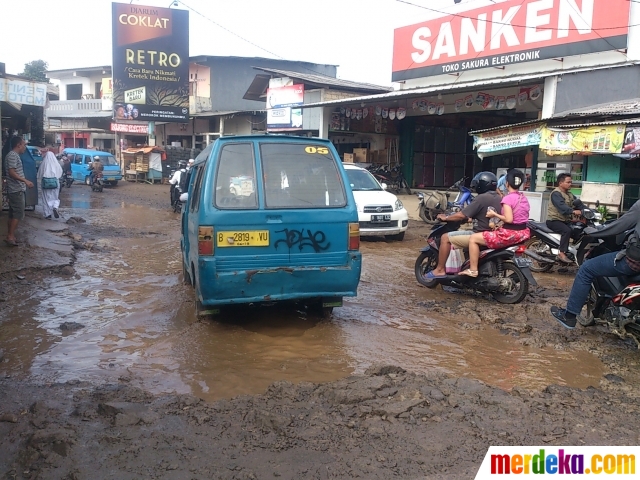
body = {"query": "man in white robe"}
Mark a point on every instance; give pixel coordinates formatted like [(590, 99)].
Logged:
[(50, 168)]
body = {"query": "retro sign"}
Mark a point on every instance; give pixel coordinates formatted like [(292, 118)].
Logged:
[(509, 32), (150, 63)]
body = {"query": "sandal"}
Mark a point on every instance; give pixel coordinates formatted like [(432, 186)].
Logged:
[(469, 273), (11, 243)]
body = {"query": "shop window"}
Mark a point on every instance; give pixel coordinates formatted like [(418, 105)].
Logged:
[(74, 91), (549, 167)]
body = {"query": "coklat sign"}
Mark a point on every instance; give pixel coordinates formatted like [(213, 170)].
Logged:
[(150, 63), (509, 32)]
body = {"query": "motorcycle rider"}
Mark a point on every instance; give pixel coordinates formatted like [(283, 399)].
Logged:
[(175, 180), (626, 262), (485, 184), (95, 168), (560, 211)]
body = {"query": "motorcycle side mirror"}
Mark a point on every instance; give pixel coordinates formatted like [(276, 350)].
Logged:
[(597, 203), (384, 186)]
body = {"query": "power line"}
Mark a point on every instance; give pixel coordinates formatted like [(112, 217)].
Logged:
[(511, 24), (250, 42)]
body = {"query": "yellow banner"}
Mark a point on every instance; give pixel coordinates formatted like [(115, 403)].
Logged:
[(585, 140)]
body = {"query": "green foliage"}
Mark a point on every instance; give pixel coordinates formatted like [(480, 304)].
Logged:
[(604, 211), (36, 70)]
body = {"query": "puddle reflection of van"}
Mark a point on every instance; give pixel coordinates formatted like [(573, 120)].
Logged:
[(81, 158), (289, 233)]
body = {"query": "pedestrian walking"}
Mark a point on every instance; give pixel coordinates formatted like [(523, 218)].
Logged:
[(49, 174), (16, 187)]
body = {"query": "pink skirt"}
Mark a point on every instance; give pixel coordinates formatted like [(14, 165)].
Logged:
[(503, 237)]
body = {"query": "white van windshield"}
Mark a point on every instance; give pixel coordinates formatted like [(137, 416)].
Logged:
[(298, 175)]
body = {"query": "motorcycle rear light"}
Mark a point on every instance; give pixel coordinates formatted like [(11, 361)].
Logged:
[(205, 240), (521, 249), (354, 236)]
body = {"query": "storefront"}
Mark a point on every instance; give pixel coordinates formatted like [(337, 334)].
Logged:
[(461, 73)]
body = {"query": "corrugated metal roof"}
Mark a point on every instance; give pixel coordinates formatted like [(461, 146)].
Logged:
[(322, 80), (528, 122), (620, 121), (622, 107), (100, 114), (224, 112)]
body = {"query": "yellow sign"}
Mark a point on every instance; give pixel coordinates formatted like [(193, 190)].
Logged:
[(136, 96), (604, 139)]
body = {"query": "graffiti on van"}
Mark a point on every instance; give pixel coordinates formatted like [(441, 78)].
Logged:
[(300, 239)]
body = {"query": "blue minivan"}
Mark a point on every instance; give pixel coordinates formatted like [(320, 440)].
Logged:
[(80, 159), (270, 218)]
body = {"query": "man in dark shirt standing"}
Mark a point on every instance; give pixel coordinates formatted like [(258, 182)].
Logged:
[(485, 184), (561, 209), (16, 188)]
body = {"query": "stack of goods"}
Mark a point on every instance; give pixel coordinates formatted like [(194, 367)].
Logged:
[(142, 162)]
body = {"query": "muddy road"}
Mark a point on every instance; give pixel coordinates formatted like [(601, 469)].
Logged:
[(106, 371)]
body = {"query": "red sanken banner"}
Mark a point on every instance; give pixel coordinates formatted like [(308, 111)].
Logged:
[(509, 32)]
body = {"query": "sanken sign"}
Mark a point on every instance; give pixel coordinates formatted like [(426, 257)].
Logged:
[(504, 33)]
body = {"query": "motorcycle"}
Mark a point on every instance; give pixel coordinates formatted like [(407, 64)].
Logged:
[(544, 245), (66, 180), (613, 301), (393, 178), (174, 192), (98, 183), (504, 273), (432, 204)]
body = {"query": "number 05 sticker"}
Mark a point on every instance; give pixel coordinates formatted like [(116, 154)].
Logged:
[(320, 150)]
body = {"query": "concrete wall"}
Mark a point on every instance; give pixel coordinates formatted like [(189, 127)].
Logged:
[(584, 89)]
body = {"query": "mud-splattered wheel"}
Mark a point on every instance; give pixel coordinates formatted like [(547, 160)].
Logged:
[(538, 246), (586, 317), (429, 215), (426, 262), (519, 285)]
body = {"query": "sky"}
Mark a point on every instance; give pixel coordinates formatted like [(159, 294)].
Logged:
[(356, 35)]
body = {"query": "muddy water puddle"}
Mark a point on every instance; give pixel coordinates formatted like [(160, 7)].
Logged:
[(138, 322)]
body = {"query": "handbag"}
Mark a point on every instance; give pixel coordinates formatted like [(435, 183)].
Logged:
[(49, 183)]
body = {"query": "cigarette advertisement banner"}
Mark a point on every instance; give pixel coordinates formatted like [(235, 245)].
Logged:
[(507, 33), (607, 139), (631, 146), (513, 138), (150, 63)]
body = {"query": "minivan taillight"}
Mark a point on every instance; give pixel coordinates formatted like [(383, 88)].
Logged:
[(354, 236), (205, 240)]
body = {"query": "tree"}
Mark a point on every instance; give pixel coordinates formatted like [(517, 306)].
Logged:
[(36, 70)]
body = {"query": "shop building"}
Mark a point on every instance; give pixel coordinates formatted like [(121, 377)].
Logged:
[(511, 64)]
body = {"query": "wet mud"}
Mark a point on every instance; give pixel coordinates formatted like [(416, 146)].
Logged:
[(104, 369)]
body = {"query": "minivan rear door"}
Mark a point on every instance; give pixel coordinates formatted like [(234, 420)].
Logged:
[(292, 207)]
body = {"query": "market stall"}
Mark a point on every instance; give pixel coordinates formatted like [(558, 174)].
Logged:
[(143, 164)]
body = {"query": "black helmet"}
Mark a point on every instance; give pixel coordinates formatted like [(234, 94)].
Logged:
[(484, 182), (182, 164)]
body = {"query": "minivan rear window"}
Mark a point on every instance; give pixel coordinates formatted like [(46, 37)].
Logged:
[(300, 175), (235, 180)]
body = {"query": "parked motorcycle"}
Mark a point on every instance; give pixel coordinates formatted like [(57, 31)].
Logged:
[(544, 245), (392, 177), (432, 204), (613, 301), (98, 182), (504, 273)]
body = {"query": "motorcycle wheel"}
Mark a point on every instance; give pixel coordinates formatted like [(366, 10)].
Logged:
[(426, 262), (541, 248), (586, 317), (429, 215), (511, 271)]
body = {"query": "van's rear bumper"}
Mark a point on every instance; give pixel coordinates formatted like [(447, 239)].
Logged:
[(276, 284)]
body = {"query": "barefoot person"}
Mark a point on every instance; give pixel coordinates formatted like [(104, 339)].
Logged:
[(16, 187), (515, 214)]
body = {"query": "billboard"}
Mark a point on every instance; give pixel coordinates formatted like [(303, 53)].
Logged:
[(280, 114), (150, 63), (507, 33)]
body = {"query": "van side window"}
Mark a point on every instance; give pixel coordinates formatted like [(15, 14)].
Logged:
[(71, 157), (300, 175), (235, 181), (194, 200)]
